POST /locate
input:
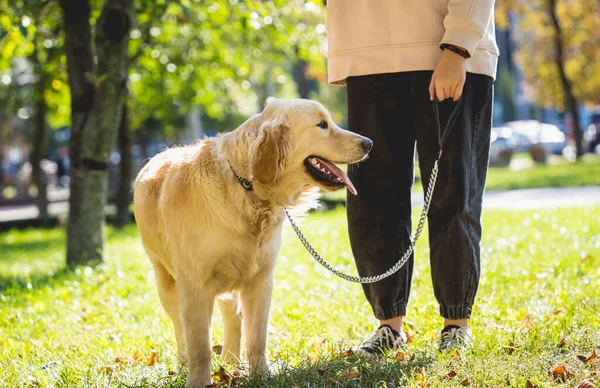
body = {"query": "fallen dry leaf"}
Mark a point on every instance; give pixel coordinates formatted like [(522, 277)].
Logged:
[(109, 369), (529, 384), (527, 322), (222, 376), (588, 360), (125, 360), (400, 356), (455, 353), (139, 356), (510, 347), (348, 353), (421, 378), (587, 383), (561, 373), (563, 341), (347, 376), (217, 349), (560, 310), (450, 375), (318, 344), (151, 359), (465, 382), (237, 374), (238, 377)]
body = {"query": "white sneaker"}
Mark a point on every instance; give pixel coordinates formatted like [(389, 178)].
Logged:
[(383, 340), (454, 337)]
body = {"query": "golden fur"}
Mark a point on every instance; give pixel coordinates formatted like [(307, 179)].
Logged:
[(208, 238)]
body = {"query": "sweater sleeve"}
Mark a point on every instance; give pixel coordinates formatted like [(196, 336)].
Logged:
[(466, 22)]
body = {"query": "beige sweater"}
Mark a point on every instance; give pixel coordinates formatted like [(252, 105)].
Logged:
[(389, 36)]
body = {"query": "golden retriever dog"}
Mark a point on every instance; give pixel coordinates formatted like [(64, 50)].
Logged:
[(211, 215)]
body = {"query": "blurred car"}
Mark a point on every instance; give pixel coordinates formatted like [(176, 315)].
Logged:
[(552, 138), (501, 151), (592, 134), (549, 136), (527, 128), (519, 143)]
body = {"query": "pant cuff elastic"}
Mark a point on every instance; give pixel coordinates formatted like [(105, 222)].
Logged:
[(389, 312), (455, 312)]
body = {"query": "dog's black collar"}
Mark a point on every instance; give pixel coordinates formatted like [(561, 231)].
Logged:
[(246, 184)]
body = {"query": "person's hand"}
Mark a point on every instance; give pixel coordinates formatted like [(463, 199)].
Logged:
[(449, 77)]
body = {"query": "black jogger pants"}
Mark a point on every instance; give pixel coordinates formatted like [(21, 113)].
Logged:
[(394, 111)]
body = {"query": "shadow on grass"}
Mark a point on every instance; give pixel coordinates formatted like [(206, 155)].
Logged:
[(20, 283), (31, 245), (342, 371), (26, 258)]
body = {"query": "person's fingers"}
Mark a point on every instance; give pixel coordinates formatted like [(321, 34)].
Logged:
[(441, 92), (451, 90), (432, 88), (458, 91)]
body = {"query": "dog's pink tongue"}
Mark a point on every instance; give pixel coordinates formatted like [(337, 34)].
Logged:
[(340, 174)]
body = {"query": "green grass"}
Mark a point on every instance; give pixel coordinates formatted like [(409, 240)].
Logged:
[(540, 283), (557, 173)]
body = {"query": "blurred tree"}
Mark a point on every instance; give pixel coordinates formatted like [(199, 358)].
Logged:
[(557, 52), (218, 55), (30, 30), (123, 195), (148, 14), (97, 94), (505, 84)]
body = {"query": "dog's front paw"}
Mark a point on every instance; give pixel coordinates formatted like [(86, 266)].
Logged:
[(198, 379), (197, 383)]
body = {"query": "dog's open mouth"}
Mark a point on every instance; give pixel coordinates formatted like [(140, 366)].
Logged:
[(328, 174)]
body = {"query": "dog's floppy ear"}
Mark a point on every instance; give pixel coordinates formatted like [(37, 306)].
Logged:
[(269, 151)]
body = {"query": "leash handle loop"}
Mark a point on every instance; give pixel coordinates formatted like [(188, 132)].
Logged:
[(443, 135)]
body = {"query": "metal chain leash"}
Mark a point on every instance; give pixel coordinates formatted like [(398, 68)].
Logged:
[(403, 259)]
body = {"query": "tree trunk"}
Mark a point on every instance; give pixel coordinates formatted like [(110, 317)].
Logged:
[(571, 101), (2, 127), (299, 75), (126, 171), (78, 50), (40, 144), (97, 107)]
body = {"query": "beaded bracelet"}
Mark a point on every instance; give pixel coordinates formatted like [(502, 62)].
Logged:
[(458, 50)]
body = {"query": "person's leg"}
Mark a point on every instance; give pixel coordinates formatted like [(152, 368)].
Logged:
[(455, 213), (379, 216)]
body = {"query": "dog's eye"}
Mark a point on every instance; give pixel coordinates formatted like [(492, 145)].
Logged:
[(322, 124)]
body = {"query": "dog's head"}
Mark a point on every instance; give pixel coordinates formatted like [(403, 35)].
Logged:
[(296, 143)]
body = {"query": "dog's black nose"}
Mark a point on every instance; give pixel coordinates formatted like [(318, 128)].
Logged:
[(366, 145)]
